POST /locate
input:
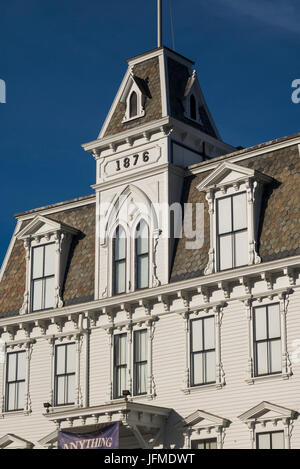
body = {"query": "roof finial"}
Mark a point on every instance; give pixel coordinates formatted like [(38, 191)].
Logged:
[(159, 23)]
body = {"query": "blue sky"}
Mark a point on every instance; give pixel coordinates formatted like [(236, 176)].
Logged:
[(63, 60)]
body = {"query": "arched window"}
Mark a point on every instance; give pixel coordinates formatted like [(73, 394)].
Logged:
[(142, 255), (133, 105), (193, 107), (119, 261)]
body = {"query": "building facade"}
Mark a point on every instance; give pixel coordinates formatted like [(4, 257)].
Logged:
[(169, 299)]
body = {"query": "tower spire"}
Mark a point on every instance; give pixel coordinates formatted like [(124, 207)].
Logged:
[(159, 23)]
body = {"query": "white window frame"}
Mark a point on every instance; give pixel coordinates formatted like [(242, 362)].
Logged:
[(64, 340), (17, 346), (250, 304), (149, 325), (243, 180), (140, 104), (39, 232), (130, 231), (43, 277), (217, 312)]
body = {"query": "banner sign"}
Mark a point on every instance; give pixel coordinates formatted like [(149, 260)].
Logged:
[(108, 438)]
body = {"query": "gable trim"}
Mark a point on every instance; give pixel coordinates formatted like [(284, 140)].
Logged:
[(256, 413)]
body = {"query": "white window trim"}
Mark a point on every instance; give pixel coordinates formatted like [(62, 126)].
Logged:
[(215, 428), (217, 311), (283, 421), (64, 340), (249, 181), (130, 232), (129, 329), (54, 233), (140, 104), (250, 305), (21, 346)]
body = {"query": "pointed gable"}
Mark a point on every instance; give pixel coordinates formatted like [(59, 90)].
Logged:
[(42, 226), (228, 174), (202, 419), (146, 75), (15, 441), (266, 411)]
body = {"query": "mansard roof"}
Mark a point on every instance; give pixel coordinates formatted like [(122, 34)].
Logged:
[(164, 83), (79, 280), (279, 227)]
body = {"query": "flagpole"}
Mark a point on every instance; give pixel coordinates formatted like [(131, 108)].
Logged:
[(159, 23)]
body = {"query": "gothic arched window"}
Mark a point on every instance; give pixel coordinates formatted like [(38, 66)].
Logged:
[(142, 255), (119, 261), (133, 108), (193, 107)]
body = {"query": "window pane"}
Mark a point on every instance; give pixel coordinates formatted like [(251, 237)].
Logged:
[(71, 358), (142, 238), (121, 380), (50, 253), (70, 389), (120, 244), (224, 215), (274, 321), (197, 367), (60, 391), (275, 350), (262, 358), (37, 262), (141, 346), (261, 323), (11, 366), (120, 277), (141, 378), (21, 371), (240, 212), (213, 444), (264, 441), (209, 333), (210, 367), (225, 253), (133, 104), (277, 440), (60, 359), (20, 395), (37, 293), (120, 349), (197, 339), (143, 271), (49, 292), (241, 248), (11, 396)]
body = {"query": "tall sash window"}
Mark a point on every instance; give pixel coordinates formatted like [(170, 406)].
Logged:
[(119, 253), (140, 362), (120, 364), (43, 273), (142, 255)]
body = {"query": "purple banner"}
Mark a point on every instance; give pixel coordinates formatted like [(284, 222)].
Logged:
[(107, 438)]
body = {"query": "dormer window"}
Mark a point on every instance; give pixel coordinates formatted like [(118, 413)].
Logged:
[(193, 107), (47, 244), (234, 195), (134, 97), (43, 277), (232, 231), (133, 105)]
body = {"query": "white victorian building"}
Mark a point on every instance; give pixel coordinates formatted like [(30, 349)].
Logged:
[(182, 324)]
